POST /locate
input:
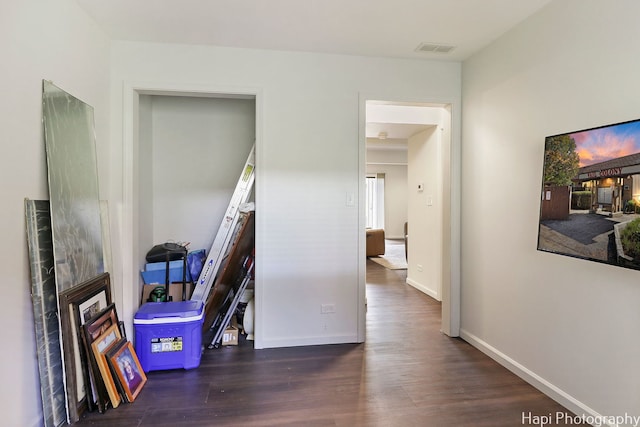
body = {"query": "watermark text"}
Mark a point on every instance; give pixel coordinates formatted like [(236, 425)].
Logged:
[(565, 418)]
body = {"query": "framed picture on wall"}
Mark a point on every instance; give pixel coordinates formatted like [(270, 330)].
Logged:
[(590, 198)]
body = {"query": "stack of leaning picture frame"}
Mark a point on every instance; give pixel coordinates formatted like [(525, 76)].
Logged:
[(110, 369), (85, 361)]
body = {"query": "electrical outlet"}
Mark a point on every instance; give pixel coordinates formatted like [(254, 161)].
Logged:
[(327, 308), (419, 267)]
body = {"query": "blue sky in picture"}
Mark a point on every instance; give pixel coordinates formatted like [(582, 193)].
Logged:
[(608, 142)]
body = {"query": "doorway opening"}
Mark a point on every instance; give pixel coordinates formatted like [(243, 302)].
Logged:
[(169, 132), (410, 144)]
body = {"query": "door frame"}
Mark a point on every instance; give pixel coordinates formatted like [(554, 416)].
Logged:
[(450, 289), (129, 210)]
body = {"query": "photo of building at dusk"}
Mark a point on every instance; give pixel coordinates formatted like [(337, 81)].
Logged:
[(609, 160), (591, 191)]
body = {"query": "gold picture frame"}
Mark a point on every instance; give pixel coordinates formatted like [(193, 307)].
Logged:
[(99, 348), (124, 362), (92, 329)]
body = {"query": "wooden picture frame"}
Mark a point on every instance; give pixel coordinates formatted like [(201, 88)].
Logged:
[(92, 329), (74, 304), (121, 342), (129, 373), (99, 348)]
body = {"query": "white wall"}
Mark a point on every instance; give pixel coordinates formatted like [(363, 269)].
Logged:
[(307, 241), (568, 325), (393, 164), (58, 42), (199, 148), (425, 211)]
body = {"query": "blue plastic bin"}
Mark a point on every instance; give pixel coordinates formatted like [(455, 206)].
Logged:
[(155, 272)]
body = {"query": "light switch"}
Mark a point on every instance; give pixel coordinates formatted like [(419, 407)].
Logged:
[(351, 200)]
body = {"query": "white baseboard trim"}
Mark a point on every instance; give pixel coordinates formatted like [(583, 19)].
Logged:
[(555, 393), (305, 341), (423, 289)]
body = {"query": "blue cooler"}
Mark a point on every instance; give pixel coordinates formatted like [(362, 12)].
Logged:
[(169, 335)]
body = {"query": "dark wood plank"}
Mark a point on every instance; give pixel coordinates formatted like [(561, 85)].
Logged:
[(229, 274), (406, 374)]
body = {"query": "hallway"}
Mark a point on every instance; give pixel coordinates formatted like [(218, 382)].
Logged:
[(406, 374)]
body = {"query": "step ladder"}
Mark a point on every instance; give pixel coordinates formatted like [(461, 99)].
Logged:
[(221, 242)]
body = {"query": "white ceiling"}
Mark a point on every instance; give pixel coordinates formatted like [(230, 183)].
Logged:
[(394, 130), (396, 134), (384, 28), (387, 28), (389, 125)]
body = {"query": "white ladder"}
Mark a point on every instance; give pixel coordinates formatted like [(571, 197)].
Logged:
[(225, 232)]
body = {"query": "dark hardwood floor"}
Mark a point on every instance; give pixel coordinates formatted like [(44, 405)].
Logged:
[(406, 374)]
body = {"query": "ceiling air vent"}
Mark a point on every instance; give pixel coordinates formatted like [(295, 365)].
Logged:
[(434, 48)]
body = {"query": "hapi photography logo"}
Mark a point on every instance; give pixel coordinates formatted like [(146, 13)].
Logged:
[(564, 418)]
